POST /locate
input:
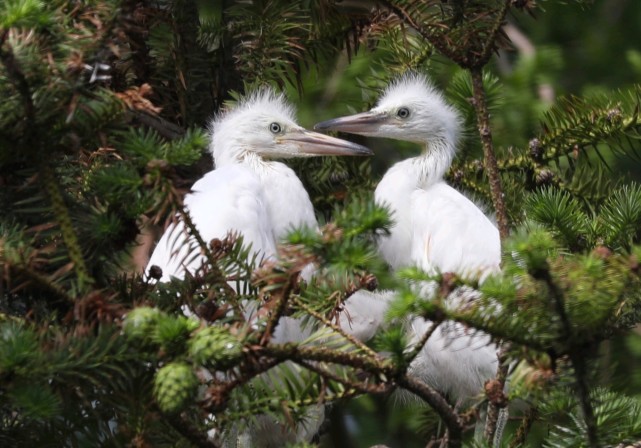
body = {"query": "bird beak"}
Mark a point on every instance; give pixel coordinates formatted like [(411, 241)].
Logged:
[(315, 144), (356, 124)]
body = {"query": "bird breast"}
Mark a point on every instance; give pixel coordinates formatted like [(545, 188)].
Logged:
[(288, 203), (436, 228)]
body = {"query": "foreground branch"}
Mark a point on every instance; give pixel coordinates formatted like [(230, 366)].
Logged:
[(303, 355)]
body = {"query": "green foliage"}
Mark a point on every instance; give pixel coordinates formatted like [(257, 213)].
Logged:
[(562, 214), (102, 118), (618, 418)]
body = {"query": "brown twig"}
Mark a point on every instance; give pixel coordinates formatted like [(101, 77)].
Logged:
[(485, 55), (277, 311), (485, 131), (439, 404), (493, 409), (188, 431), (359, 386), (193, 231), (334, 327), (524, 428), (421, 343)]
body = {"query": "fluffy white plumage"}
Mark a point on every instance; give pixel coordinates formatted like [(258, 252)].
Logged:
[(436, 227), (247, 192), (259, 198)]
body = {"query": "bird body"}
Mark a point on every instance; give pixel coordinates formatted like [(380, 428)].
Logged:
[(247, 192), (261, 199), (434, 224), (436, 228)]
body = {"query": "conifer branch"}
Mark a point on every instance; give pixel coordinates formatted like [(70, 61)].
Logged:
[(188, 431), (484, 57), (61, 212), (485, 132), (193, 231), (421, 343), (439, 404), (19, 81), (298, 353), (333, 326), (359, 386), (164, 128), (493, 409), (43, 282), (440, 44), (277, 311), (577, 358), (524, 428)]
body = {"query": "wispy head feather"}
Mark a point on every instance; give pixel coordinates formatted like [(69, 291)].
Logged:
[(261, 100), (233, 128), (409, 86)]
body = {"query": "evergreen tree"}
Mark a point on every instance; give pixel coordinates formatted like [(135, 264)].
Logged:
[(102, 131)]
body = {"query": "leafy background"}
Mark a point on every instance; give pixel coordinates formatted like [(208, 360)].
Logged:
[(81, 160)]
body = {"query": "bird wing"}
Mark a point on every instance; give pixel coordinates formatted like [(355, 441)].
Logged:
[(451, 234), (228, 199)]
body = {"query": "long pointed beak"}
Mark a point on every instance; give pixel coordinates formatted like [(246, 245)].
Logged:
[(315, 144), (361, 123)]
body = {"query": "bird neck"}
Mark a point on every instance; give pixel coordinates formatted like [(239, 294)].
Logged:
[(240, 156), (434, 162)]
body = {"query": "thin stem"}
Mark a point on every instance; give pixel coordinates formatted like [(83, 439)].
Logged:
[(439, 404), (421, 343), (493, 410), (485, 131), (278, 310), (63, 219), (359, 386), (193, 231), (491, 38), (191, 433), (524, 428), (334, 327)]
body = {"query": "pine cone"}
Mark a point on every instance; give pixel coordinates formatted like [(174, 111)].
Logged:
[(174, 385), (213, 346), (140, 322)]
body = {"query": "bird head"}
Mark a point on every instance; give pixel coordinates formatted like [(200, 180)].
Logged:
[(263, 124), (409, 109)]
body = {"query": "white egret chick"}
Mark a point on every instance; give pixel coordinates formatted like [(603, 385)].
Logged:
[(262, 200), (248, 192), (436, 228)]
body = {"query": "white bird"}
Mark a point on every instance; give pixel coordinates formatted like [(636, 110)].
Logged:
[(247, 192), (436, 228), (259, 198)]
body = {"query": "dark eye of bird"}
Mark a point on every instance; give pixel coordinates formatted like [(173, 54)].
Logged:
[(403, 112), (275, 128)]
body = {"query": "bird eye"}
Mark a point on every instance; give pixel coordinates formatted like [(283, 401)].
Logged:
[(275, 128), (403, 112)]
